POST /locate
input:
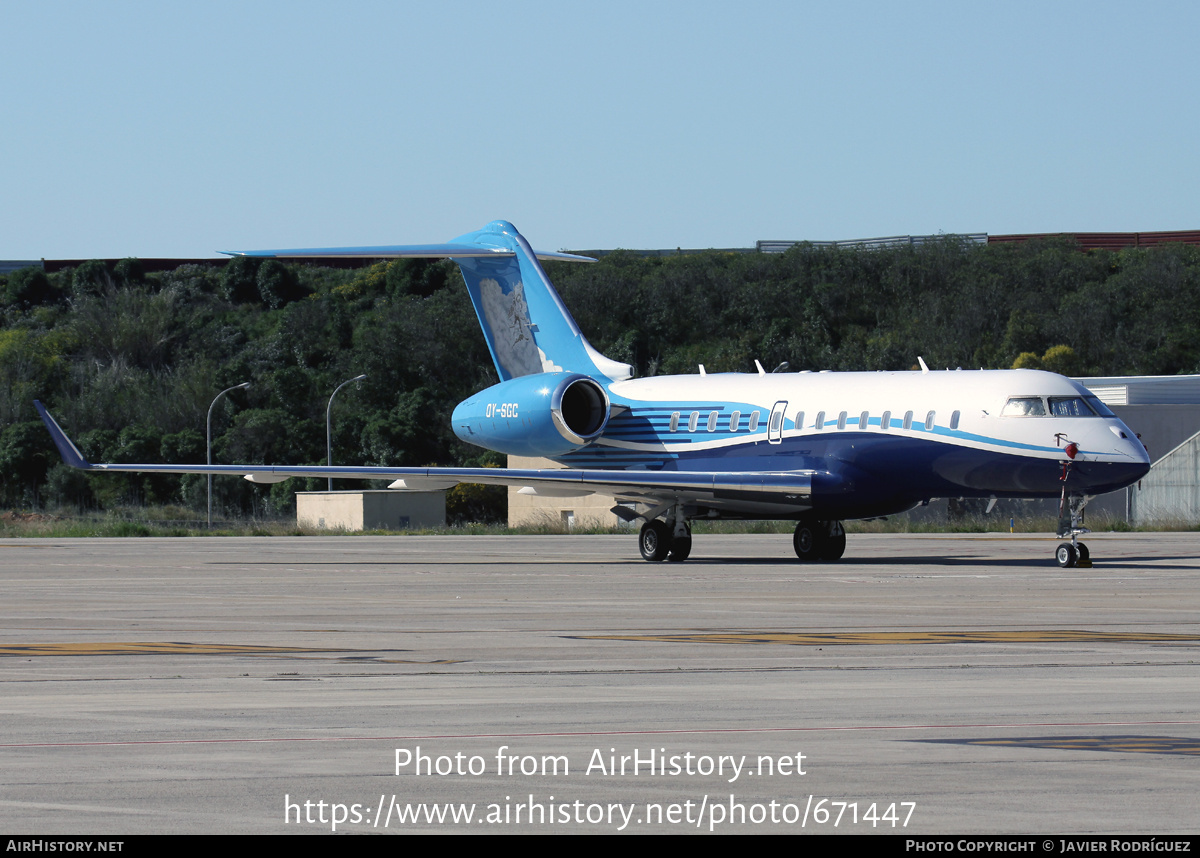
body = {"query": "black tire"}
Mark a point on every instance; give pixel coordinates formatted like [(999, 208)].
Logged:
[(810, 540), (1066, 555), (1085, 556), (835, 547), (655, 541), (681, 547)]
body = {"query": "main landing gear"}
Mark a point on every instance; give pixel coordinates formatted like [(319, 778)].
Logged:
[(1070, 524), (817, 541), (659, 541)]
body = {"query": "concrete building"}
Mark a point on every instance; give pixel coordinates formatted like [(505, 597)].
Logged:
[(527, 508), (370, 510)]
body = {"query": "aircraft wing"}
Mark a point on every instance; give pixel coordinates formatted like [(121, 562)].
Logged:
[(721, 488)]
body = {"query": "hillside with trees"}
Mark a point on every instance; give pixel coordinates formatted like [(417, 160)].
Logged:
[(129, 361)]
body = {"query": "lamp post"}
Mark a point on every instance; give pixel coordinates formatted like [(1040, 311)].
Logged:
[(208, 441), (328, 423)]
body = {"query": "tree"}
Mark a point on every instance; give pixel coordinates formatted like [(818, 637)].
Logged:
[(1061, 359), (30, 287), (277, 285), (239, 280), (91, 278), (25, 456), (130, 272)]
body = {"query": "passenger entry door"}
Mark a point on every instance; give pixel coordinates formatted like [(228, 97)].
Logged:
[(775, 424)]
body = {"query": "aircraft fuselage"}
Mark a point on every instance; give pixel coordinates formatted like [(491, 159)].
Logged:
[(875, 443)]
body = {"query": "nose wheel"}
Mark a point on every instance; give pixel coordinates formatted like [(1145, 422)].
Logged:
[(1070, 555)]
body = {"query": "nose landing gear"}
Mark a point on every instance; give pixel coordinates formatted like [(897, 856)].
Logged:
[(1074, 553), (1070, 514)]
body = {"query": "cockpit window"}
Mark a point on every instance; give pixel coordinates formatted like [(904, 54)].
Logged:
[(1070, 406), (1098, 406), (1024, 406)]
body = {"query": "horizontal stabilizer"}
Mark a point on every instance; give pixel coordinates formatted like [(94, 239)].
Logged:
[(404, 251)]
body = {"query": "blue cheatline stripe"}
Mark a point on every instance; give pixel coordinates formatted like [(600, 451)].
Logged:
[(654, 428), (683, 438)]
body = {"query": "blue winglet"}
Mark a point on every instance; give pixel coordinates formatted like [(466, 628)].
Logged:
[(66, 448)]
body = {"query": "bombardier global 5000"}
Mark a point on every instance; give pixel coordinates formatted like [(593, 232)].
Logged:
[(816, 448)]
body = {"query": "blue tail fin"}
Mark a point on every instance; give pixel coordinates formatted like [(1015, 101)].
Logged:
[(528, 328)]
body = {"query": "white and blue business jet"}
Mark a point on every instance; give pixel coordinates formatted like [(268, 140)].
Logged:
[(814, 448)]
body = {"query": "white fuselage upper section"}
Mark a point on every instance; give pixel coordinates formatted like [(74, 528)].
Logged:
[(966, 408)]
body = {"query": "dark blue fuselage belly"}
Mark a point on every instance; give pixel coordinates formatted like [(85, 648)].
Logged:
[(861, 475)]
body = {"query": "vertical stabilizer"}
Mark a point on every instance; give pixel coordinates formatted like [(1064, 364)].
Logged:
[(527, 327)]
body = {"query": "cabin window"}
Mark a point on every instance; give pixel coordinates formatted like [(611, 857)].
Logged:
[(734, 419), (693, 420), (842, 420), (753, 421), (820, 419), (1070, 406), (864, 420), (929, 421), (907, 419), (675, 421), (776, 422), (712, 421), (1024, 406), (885, 422), (954, 419), (799, 420)]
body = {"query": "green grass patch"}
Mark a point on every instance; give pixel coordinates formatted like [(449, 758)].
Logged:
[(176, 521)]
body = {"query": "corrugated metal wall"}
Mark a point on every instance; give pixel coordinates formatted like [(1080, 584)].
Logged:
[(1170, 493)]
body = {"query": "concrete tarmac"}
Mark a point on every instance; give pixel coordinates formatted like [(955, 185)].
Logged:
[(926, 684)]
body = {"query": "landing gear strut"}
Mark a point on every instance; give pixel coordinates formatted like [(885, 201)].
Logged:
[(1070, 524), (816, 540)]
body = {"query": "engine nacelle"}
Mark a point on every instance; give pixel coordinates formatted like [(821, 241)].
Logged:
[(548, 414)]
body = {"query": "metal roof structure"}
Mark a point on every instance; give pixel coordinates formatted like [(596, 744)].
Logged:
[(1145, 389)]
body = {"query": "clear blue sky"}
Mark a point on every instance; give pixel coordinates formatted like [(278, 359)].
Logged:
[(179, 129)]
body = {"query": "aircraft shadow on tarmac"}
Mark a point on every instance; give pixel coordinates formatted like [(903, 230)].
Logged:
[(1131, 564)]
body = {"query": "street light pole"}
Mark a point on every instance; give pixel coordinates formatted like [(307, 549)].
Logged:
[(328, 424), (208, 441)]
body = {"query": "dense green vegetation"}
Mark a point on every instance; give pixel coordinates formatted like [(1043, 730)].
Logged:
[(129, 361)]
